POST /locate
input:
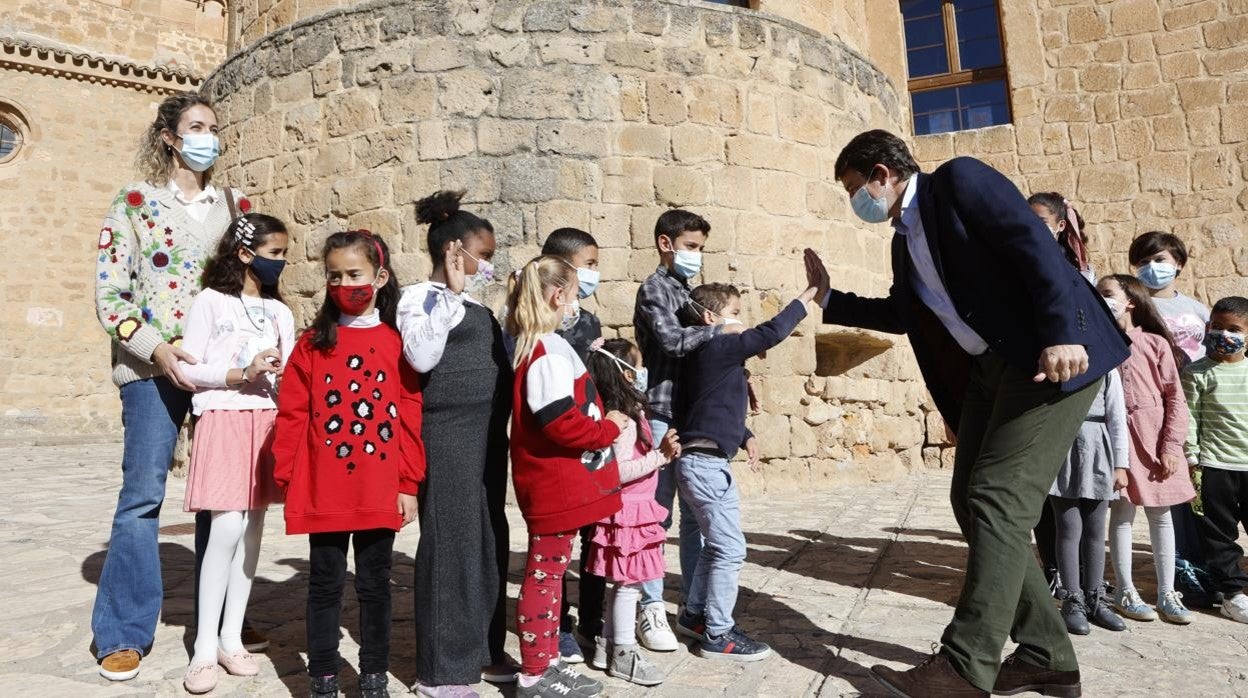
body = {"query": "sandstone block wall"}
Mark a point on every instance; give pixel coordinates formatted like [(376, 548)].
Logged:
[(1136, 110), (54, 356), (599, 115)]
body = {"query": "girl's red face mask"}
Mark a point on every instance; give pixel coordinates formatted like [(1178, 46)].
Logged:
[(352, 300)]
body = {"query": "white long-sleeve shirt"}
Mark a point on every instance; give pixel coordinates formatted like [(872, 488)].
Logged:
[(224, 332), (427, 313), (925, 279)]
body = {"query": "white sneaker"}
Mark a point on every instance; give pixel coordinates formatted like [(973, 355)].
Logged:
[(1236, 608), (653, 631)]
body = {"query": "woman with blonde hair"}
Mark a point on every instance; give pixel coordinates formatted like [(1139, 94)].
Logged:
[(152, 248), (563, 468)]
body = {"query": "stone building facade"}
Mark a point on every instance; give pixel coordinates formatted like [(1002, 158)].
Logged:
[(79, 81), (598, 115), (602, 113), (1137, 110)]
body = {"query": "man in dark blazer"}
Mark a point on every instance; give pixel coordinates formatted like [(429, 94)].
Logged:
[(1012, 343)]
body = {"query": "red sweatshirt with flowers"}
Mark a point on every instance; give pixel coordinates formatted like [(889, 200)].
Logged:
[(563, 467), (347, 439)]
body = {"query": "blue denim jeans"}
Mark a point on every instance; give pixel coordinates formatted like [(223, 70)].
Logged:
[(130, 594), (690, 536), (706, 483)]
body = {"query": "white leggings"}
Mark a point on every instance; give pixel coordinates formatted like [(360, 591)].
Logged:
[(1161, 534), (620, 625), (225, 581)]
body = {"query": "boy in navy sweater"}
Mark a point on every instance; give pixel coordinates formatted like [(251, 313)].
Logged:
[(710, 413)]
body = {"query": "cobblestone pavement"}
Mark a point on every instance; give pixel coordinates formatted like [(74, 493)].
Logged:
[(835, 581)]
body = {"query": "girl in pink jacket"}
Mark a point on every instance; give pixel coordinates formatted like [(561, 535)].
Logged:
[(1157, 423)]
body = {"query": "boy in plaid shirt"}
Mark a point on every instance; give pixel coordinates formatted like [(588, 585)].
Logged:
[(679, 237)]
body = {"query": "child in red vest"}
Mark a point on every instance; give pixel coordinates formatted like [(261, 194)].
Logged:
[(563, 468), (348, 453)]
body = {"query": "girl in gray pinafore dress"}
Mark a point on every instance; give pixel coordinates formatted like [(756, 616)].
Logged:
[(456, 345), (1080, 499)]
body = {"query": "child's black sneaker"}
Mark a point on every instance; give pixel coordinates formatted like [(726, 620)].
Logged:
[(324, 687), (374, 686), (734, 646), (691, 624)]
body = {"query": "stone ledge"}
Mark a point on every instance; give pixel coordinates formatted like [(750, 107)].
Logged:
[(36, 56)]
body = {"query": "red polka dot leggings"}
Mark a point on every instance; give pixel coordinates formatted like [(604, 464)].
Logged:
[(537, 610)]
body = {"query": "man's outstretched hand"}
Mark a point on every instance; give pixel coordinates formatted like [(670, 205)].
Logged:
[(1061, 363)]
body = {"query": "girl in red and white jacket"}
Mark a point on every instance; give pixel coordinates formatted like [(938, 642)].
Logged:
[(563, 467), (349, 454)]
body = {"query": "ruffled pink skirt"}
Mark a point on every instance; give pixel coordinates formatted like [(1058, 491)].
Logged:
[(627, 546), (232, 462)]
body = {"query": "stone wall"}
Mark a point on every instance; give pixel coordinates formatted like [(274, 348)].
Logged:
[(189, 34), (599, 115), (84, 77), (1137, 110)]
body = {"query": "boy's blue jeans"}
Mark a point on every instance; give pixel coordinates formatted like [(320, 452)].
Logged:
[(706, 483), (690, 537), (130, 593)]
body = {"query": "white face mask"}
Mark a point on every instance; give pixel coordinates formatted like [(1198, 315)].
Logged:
[(1116, 307), (641, 376), (722, 320), (568, 320)]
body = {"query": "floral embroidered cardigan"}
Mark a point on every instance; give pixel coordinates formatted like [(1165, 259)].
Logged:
[(151, 255)]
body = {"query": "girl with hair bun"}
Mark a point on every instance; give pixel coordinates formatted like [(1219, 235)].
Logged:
[(456, 344)]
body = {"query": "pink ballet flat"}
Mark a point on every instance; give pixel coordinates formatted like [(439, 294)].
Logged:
[(238, 663), (200, 678)]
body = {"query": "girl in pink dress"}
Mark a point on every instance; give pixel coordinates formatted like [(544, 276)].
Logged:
[(1157, 423), (627, 547)]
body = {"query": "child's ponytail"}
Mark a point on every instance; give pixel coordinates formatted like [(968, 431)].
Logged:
[(529, 315)]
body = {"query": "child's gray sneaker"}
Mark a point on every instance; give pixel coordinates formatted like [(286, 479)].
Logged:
[(627, 663), (1171, 609), (1127, 602), (578, 680), (552, 684), (602, 654)]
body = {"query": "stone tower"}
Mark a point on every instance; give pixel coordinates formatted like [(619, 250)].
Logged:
[(598, 114)]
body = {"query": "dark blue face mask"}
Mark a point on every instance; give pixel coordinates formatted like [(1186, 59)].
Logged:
[(267, 271)]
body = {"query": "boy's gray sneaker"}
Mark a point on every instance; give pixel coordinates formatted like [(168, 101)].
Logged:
[(627, 663), (553, 684)]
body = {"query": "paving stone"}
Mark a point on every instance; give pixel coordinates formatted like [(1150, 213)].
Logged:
[(835, 581)]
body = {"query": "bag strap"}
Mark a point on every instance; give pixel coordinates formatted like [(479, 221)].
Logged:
[(233, 205)]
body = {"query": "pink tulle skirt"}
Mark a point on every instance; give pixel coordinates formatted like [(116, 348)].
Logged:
[(232, 462), (628, 545)]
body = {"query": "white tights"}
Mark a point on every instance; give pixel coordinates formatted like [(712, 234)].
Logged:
[(225, 581), (620, 625), (1161, 534)]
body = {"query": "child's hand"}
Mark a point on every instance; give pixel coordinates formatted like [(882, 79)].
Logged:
[(454, 265), (267, 361), (407, 507), (1120, 479), (620, 419), (1171, 464), (751, 450), (670, 445)]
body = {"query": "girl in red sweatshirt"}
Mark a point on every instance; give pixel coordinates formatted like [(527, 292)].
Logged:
[(348, 453), (563, 468)]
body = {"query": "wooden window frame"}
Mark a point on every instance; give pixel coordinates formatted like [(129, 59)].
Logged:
[(956, 77)]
